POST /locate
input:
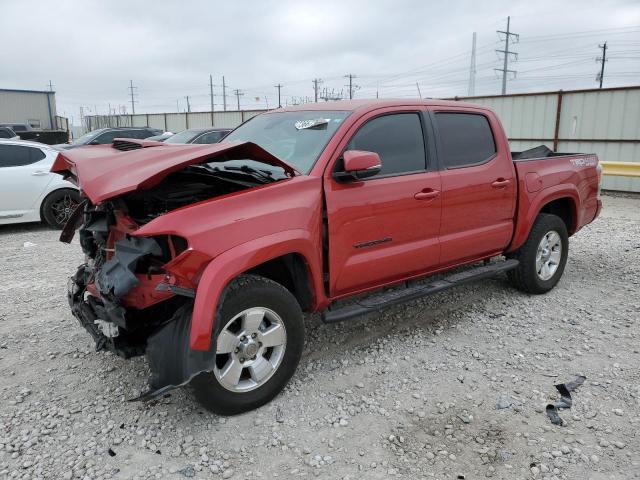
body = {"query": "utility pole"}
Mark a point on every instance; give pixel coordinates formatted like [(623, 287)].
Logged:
[(133, 102), (602, 59), (506, 52), (211, 90), (50, 86), (224, 94), (238, 93), (316, 83), (178, 105), (419, 93), (472, 68), (279, 87), (351, 85), (188, 104)]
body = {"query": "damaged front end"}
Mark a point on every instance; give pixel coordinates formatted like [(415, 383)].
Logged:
[(134, 293), (129, 286)]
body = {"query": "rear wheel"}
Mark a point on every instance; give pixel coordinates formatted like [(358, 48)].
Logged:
[(58, 207), (542, 257), (259, 339)]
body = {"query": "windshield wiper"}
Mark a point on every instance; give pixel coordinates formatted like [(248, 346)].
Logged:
[(265, 175)]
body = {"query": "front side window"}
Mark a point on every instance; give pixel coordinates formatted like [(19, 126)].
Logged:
[(184, 136), (107, 137), (18, 155), (397, 139), (297, 137), (5, 133), (465, 139)]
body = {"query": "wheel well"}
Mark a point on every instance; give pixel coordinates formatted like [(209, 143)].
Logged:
[(290, 271), (44, 200), (563, 208)]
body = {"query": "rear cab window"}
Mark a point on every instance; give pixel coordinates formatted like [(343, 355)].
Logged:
[(398, 140), (464, 139)]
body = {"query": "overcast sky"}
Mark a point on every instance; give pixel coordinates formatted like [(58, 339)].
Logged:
[(90, 50)]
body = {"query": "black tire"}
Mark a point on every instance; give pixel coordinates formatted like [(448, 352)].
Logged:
[(525, 277), (245, 292), (58, 207)]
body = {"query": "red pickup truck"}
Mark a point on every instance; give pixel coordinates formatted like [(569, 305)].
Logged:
[(204, 257)]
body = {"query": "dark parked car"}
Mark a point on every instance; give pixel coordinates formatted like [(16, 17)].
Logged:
[(17, 127), (199, 135), (106, 135), (7, 133)]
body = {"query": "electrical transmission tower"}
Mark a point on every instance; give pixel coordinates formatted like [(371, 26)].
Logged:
[(351, 86), (602, 59), (133, 95), (238, 93), (472, 68), (506, 52), (279, 87), (316, 86), (332, 95)]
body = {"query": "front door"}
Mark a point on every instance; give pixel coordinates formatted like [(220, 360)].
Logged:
[(386, 227)]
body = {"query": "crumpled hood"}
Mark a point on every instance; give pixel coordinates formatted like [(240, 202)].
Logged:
[(104, 172)]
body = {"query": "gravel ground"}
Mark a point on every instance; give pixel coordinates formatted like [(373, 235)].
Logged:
[(450, 387)]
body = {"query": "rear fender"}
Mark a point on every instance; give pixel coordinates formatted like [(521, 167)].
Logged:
[(529, 208), (227, 266)]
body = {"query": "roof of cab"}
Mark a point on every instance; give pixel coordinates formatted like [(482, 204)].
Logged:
[(370, 104)]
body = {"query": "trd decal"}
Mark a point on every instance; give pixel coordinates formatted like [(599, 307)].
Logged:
[(372, 243)]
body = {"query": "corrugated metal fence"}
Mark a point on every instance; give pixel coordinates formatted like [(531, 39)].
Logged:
[(172, 122), (602, 121)]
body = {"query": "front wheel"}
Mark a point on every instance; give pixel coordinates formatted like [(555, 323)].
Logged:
[(542, 257), (58, 207), (259, 340)]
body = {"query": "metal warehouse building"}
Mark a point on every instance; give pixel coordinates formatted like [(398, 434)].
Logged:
[(37, 108)]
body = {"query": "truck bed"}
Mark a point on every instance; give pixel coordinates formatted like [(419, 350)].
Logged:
[(573, 178)]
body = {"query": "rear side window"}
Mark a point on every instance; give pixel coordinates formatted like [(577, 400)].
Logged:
[(211, 137), (4, 133), (465, 139), (17, 155), (397, 139)]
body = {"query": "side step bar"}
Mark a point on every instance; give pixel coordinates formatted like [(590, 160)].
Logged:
[(386, 299)]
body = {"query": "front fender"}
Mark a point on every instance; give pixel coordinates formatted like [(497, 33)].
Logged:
[(529, 207), (228, 265)]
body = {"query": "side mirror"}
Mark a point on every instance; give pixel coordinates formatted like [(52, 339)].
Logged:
[(358, 165)]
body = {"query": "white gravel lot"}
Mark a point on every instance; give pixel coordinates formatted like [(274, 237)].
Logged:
[(411, 393)]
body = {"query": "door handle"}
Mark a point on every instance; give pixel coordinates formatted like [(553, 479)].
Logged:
[(40, 173), (427, 194), (500, 183)]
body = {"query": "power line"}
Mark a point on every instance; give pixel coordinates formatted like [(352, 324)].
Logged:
[(211, 91), (602, 59), (506, 52), (472, 68), (238, 93), (316, 82), (224, 94), (133, 101), (351, 86)]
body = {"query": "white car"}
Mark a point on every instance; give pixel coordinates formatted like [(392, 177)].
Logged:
[(29, 192)]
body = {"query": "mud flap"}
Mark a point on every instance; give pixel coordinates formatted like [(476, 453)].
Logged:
[(172, 361)]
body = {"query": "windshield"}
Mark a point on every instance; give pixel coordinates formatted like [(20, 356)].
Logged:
[(298, 138), (86, 138), (183, 137)]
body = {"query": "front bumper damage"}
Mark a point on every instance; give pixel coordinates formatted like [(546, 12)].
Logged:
[(132, 314)]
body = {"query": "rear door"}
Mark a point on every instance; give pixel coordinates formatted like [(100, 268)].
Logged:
[(478, 185), (24, 176), (386, 227)]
